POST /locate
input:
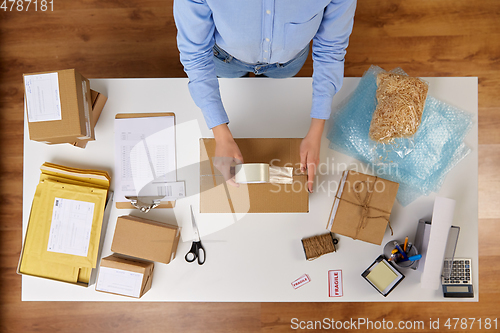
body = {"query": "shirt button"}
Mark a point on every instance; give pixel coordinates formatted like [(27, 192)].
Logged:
[(265, 59), (268, 12), (267, 39), (265, 51)]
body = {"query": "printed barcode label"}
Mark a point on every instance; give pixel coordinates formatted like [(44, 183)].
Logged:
[(165, 191)]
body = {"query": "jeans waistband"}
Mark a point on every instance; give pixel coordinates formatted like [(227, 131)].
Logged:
[(220, 50)]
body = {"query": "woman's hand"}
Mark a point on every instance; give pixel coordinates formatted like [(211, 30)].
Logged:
[(227, 152), (309, 150)]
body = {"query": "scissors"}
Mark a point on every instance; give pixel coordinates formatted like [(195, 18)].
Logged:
[(197, 250)]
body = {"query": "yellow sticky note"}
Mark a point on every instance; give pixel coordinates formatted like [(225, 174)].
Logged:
[(381, 276)]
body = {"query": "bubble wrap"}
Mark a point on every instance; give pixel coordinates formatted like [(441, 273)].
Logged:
[(437, 146)]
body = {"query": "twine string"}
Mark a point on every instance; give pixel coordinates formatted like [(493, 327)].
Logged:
[(317, 246)]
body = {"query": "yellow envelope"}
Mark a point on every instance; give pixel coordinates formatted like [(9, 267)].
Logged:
[(64, 229)]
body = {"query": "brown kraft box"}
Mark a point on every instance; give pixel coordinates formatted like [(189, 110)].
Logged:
[(98, 102), (145, 239), (76, 106), (216, 196), (114, 283), (362, 207)]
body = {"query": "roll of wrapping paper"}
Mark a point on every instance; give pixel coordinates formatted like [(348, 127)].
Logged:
[(251, 173), (316, 246)]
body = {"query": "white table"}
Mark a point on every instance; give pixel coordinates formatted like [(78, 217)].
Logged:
[(255, 257)]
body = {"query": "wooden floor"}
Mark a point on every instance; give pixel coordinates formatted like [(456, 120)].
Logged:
[(117, 38)]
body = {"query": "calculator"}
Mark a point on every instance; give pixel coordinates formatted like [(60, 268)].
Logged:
[(457, 278)]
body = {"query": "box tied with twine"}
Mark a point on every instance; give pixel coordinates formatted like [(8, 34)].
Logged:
[(362, 207)]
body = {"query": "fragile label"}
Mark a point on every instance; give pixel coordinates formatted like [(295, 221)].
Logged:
[(301, 281), (335, 287)]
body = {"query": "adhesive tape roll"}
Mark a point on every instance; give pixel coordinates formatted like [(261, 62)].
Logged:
[(251, 173)]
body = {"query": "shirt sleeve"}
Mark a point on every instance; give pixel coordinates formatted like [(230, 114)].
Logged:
[(195, 39), (329, 48)]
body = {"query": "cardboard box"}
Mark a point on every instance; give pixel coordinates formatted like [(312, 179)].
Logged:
[(218, 197), (124, 276), (362, 207), (98, 102), (145, 239), (58, 106)]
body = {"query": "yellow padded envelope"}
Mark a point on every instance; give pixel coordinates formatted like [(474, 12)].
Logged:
[(31, 264), (53, 248)]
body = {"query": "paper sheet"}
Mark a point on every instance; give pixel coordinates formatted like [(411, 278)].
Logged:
[(71, 227), (42, 97), (119, 281), (169, 191), (144, 155)]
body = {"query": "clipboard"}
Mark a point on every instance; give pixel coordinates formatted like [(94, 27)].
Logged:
[(137, 203)]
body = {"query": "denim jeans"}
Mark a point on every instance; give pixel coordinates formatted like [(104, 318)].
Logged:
[(229, 67)]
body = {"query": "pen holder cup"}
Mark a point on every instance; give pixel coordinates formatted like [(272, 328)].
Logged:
[(402, 264)]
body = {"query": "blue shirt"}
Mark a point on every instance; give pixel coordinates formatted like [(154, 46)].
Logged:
[(264, 31)]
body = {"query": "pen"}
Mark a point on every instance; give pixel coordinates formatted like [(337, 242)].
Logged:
[(409, 247), (406, 243), (405, 257), (414, 258)]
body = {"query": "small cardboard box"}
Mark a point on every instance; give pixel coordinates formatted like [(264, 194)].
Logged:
[(362, 207), (58, 106), (145, 239), (98, 102), (124, 276), (218, 197)]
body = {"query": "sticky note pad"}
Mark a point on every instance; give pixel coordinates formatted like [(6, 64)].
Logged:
[(382, 276)]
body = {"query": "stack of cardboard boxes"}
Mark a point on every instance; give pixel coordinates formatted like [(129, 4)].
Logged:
[(61, 107), (137, 244)]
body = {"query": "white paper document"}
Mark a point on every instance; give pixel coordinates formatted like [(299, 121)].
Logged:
[(168, 191), (71, 227), (145, 157), (42, 97), (119, 281)]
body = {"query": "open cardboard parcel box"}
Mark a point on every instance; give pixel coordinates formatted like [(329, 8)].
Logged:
[(218, 197)]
